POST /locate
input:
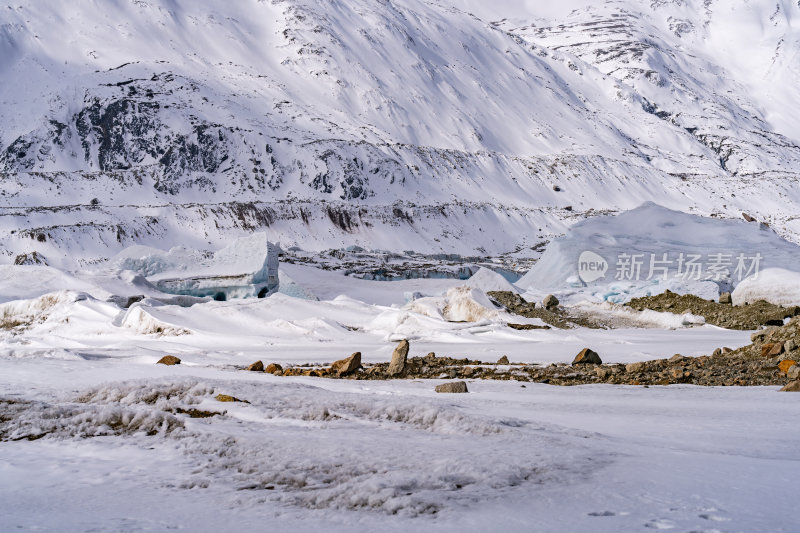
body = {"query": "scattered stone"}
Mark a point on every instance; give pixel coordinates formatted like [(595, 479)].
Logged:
[(725, 298), (452, 387), (169, 360), (430, 357), (550, 301), (273, 368), (258, 366), (603, 372), (524, 327), (347, 366), (748, 217), (677, 358), (503, 360), (794, 386), (399, 357), (556, 188), (793, 372), (229, 398), (772, 349), (790, 345), (786, 364), (633, 368), (587, 357)]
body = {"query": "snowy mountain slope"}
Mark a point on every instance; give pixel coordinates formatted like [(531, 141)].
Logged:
[(403, 124)]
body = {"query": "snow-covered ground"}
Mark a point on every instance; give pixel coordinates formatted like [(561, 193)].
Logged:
[(307, 454), (117, 454)]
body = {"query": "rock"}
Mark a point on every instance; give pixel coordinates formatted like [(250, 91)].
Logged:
[(603, 372), (399, 357), (550, 301), (717, 352), (347, 366), (452, 387), (587, 357), (748, 217), (772, 349), (677, 358), (794, 386), (758, 336), (793, 372), (273, 367), (169, 360), (229, 398), (33, 258), (556, 188), (430, 357), (725, 298), (634, 367), (503, 360), (790, 345), (786, 364), (258, 366)]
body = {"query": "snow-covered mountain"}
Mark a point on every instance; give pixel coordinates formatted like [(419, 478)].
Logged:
[(434, 125)]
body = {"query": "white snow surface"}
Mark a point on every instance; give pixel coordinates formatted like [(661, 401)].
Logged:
[(775, 285), (98, 434)]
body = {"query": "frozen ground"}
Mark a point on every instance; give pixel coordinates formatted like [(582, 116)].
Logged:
[(95, 437), (307, 454)]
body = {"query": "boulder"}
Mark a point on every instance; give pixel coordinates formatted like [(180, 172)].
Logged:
[(725, 298), (452, 387), (345, 367), (587, 357), (677, 358), (398, 364), (786, 364), (794, 386), (273, 368), (793, 372), (748, 217), (503, 360), (258, 366), (772, 349), (550, 301), (229, 398), (169, 360), (790, 345)]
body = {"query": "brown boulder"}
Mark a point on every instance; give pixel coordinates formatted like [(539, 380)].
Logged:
[(786, 364), (169, 360), (587, 357), (347, 366), (772, 349), (273, 367), (452, 387), (229, 398), (399, 357), (503, 360), (794, 386), (258, 366)]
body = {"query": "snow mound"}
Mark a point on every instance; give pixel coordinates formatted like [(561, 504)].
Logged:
[(488, 280), (776, 285), (139, 319), (643, 235), (460, 304), (24, 313)]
